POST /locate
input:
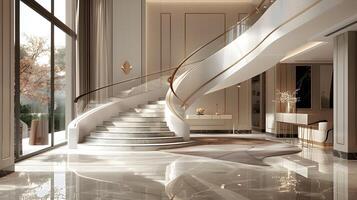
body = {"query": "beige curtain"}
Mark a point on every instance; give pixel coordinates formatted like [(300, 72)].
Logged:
[(94, 48), (102, 49)]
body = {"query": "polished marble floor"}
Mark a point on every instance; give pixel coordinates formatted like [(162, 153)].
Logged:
[(251, 166)]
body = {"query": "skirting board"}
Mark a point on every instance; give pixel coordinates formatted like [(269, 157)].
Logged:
[(321, 144), (220, 131), (7, 171), (282, 135), (211, 131), (345, 155)]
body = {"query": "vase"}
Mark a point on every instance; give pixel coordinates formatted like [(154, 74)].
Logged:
[(290, 107)]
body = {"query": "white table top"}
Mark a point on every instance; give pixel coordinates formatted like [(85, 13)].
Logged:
[(209, 117), (296, 118)]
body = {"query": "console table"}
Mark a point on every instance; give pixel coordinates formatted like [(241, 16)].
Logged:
[(297, 118), (209, 123), (310, 127)]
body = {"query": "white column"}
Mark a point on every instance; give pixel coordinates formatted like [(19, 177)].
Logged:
[(6, 86), (345, 91)]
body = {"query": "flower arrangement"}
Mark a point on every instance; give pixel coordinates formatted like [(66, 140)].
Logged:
[(200, 111), (287, 97)]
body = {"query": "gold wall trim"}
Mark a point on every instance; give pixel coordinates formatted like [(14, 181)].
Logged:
[(161, 39)]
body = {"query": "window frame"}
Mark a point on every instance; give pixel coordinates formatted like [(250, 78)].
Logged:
[(55, 22)]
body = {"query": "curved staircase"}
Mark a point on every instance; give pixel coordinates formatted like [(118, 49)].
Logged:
[(140, 128)]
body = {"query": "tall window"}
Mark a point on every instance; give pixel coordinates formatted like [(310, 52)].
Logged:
[(45, 61)]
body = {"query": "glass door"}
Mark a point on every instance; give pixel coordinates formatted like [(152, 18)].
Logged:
[(35, 80), (44, 57)]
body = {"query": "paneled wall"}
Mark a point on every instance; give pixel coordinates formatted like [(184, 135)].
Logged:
[(230, 101), (7, 86), (128, 39), (345, 86), (175, 29)]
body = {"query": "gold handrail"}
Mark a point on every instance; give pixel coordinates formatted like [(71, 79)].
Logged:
[(121, 82), (172, 77)]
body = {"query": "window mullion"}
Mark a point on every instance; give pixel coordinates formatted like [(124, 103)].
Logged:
[(52, 97)]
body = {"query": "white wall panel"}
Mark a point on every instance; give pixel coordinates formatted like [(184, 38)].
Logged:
[(7, 86), (165, 50), (127, 38)]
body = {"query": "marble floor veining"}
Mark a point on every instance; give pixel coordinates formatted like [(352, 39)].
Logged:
[(218, 167)]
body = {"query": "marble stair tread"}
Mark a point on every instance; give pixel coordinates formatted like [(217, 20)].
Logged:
[(139, 119), (115, 128), (144, 110), (142, 147), (132, 135), (126, 140), (132, 132), (135, 124), (142, 115), (152, 105), (149, 108), (157, 102)]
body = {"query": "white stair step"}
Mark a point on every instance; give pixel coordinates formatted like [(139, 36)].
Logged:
[(132, 132), (130, 129), (132, 114), (163, 102), (145, 110), (121, 140), (136, 147), (139, 119), (152, 106), (135, 124), (134, 135)]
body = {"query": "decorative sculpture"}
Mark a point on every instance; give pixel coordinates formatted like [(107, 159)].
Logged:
[(126, 67), (200, 111)]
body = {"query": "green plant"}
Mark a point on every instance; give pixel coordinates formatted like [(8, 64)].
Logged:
[(39, 116), (25, 114)]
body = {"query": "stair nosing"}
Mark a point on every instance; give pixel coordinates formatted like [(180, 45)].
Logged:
[(142, 145), (129, 138)]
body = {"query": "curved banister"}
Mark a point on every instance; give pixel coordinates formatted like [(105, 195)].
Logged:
[(118, 83), (181, 64)]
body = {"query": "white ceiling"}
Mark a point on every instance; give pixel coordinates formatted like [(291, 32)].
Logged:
[(324, 52), (320, 54)]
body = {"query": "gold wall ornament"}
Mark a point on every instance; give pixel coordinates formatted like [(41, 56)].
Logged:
[(126, 67)]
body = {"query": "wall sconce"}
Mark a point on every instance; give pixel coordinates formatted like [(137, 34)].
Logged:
[(126, 67)]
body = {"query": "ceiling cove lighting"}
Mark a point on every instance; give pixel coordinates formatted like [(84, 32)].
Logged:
[(302, 49)]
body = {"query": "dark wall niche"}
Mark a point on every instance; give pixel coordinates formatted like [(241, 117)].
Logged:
[(303, 86)]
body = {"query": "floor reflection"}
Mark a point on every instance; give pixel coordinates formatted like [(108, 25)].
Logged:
[(67, 174)]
